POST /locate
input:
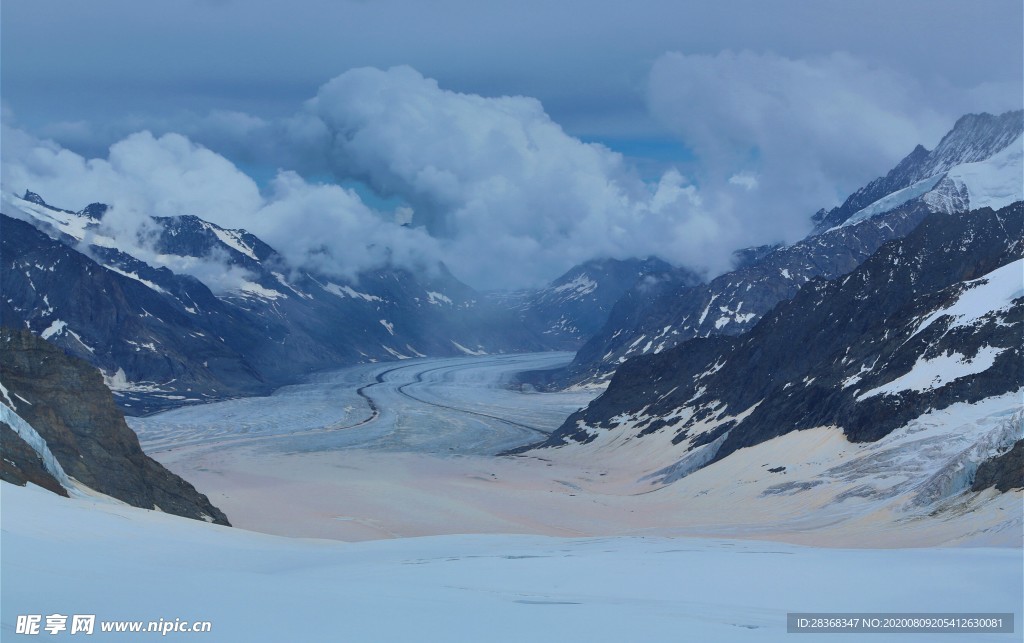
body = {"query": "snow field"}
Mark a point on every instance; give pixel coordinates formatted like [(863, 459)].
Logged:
[(254, 587)]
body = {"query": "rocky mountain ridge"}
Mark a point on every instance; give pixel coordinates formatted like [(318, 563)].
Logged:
[(232, 318)]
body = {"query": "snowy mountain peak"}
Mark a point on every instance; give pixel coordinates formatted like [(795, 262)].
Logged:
[(975, 137), (993, 182), (924, 332)]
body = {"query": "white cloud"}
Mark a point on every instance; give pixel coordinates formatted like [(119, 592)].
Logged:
[(497, 189), (321, 227), (142, 175), (493, 186), (328, 229), (745, 180), (805, 133), (511, 197)]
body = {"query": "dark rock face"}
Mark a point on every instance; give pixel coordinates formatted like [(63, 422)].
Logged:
[(21, 464), (66, 401), (826, 356), (1004, 472), (190, 236), (749, 256), (117, 322)]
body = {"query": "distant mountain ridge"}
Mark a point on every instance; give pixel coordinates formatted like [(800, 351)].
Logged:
[(203, 312), (829, 354), (163, 337), (577, 304)]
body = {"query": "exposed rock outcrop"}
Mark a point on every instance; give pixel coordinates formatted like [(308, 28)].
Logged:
[(1004, 472), (65, 400), (21, 464)]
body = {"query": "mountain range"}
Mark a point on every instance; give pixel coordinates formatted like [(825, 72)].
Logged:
[(892, 394), (888, 383), (977, 164), (897, 324), (164, 337)]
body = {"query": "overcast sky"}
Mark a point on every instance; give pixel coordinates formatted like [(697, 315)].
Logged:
[(521, 137)]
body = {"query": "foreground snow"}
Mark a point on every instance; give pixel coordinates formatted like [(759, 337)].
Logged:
[(92, 556)]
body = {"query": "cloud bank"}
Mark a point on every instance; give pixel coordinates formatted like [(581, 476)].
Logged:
[(512, 198), (111, 60), (797, 135), (497, 190), (318, 227), (495, 187)]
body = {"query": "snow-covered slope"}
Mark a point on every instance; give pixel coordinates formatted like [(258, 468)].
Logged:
[(974, 138), (994, 182), (253, 587)]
